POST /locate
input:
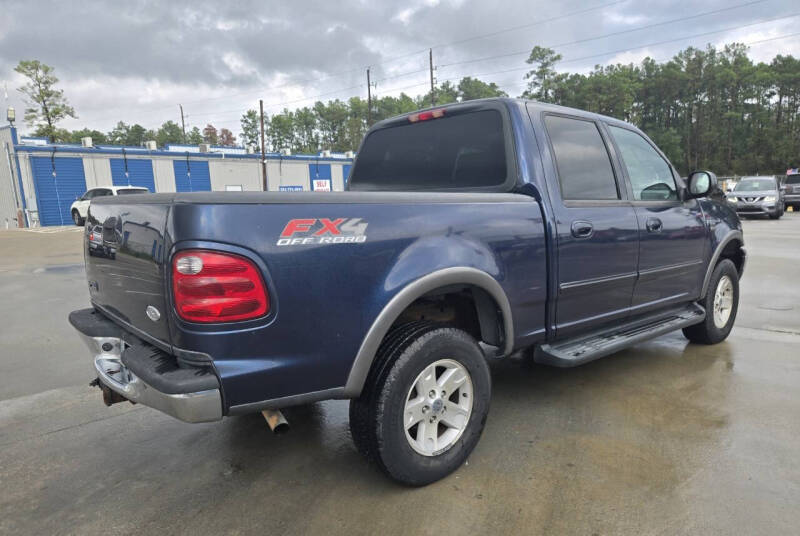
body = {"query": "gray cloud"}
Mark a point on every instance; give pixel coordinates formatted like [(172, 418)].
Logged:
[(136, 60)]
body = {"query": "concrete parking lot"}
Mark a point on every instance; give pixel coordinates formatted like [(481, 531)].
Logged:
[(665, 438)]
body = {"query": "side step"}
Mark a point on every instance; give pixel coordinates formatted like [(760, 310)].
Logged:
[(585, 348)]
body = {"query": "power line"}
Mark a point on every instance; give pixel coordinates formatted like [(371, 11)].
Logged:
[(528, 67), (395, 58), (515, 28), (659, 60), (218, 114), (612, 34)]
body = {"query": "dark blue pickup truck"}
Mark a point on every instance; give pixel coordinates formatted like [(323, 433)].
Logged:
[(469, 233)]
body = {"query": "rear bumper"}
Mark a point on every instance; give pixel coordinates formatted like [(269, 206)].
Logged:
[(144, 374)]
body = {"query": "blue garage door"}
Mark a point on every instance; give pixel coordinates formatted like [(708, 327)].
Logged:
[(191, 176), (140, 173), (317, 172), (55, 194), (346, 173)]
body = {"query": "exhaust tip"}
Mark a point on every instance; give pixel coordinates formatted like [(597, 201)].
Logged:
[(276, 421)]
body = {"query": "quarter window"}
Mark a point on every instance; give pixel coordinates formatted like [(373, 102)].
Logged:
[(650, 175), (100, 192), (584, 167)]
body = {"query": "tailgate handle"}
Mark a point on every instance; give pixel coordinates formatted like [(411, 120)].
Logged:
[(582, 229)]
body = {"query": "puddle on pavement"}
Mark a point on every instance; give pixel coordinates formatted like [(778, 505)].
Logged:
[(59, 269)]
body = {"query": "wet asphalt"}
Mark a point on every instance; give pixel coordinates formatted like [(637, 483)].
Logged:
[(664, 438)]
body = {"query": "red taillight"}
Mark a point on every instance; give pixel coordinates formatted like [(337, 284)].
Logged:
[(210, 286), (425, 116)]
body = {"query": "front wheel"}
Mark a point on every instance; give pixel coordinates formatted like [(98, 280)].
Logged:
[(76, 218), (424, 406), (721, 303)]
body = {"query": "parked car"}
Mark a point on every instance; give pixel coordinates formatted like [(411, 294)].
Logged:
[(469, 233), (792, 191), (98, 244), (760, 196), (80, 206)]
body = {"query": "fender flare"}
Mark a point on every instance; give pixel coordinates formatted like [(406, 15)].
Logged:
[(419, 287), (732, 235)]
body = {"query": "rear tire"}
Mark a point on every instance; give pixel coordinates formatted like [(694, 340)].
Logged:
[(721, 303), (389, 422)]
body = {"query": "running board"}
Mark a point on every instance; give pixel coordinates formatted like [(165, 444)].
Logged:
[(585, 348)]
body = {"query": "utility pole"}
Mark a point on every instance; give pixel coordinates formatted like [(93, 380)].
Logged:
[(369, 101), (433, 92), (263, 151), (183, 123)]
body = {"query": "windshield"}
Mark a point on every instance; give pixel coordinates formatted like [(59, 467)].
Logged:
[(465, 150), (793, 179), (755, 185), (133, 191)]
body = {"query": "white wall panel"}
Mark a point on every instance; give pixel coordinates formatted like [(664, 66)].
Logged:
[(233, 172), (164, 174)]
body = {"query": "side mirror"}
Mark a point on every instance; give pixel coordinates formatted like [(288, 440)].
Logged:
[(701, 183)]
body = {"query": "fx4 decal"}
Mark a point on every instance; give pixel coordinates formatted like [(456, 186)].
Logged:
[(323, 231)]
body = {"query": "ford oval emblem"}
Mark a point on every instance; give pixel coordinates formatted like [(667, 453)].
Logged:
[(152, 313)]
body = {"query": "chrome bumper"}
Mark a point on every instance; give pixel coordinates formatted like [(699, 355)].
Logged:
[(203, 406)]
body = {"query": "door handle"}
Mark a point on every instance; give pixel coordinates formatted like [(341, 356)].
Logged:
[(582, 229), (654, 225)]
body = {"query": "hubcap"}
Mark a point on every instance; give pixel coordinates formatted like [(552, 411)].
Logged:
[(723, 301), (438, 407)]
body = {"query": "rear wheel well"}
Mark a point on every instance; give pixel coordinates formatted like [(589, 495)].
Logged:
[(466, 307), (733, 251)]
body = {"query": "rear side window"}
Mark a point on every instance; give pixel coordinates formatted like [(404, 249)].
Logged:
[(466, 150), (584, 167), (101, 192)]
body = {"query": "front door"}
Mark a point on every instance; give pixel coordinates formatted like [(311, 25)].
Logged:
[(672, 234), (598, 238)]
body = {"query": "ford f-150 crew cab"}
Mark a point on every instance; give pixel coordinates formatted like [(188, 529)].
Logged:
[(468, 233)]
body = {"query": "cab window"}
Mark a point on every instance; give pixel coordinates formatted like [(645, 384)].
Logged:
[(650, 175), (584, 167)]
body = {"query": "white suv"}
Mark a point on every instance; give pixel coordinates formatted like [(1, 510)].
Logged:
[(80, 207)]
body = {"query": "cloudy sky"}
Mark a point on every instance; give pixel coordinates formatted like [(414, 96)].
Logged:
[(136, 60)]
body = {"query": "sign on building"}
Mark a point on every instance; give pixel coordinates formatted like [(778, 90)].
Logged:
[(321, 185)]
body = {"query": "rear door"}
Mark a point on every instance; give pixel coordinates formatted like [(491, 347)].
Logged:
[(598, 237), (58, 181), (133, 172), (672, 234), (191, 176)]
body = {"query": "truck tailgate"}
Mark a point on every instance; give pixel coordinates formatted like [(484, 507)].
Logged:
[(124, 250)]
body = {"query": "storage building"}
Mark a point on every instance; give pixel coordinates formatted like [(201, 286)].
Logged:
[(43, 179)]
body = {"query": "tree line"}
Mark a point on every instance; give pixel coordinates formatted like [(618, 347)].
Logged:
[(705, 108)]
